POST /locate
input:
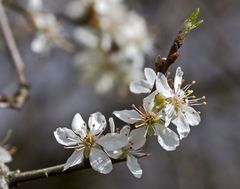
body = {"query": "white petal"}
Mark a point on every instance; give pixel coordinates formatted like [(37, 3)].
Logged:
[(66, 136), (169, 114), (5, 156), (34, 5), (115, 154), (148, 102), (162, 86), (137, 138), (141, 86), (41, 44), (100, 161), (97, 123), (192, 116), (86, 37), (150, 75), (112, 125), (125, 131), (167, 138), (76, 158), (134, 166), (182, 125), (79, 126), (178, 79), (128, 116), (113, 141)]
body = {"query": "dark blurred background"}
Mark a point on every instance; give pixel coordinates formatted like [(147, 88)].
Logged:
[(209, 158)]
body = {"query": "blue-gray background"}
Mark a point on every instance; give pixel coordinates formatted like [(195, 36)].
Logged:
[(209, 158)]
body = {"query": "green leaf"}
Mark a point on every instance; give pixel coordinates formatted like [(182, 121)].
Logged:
[(192, 21)]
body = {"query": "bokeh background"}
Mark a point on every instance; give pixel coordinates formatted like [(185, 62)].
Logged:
[(209, 158)]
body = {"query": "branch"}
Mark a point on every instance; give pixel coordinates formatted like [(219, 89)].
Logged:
[(161, 63), (13, 5), (16, 177), (22, 94)]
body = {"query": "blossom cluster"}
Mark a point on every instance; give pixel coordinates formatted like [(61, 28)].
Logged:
[(115, 41), (165, 103)]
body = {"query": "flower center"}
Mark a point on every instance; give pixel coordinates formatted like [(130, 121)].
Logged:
[(150, 119), (89, 140)]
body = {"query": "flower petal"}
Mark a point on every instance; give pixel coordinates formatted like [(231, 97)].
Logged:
[(76, 158), (41, 44), (162, 86), (169, 114), (137, 138), (134, 166), (167, 138), (115, 154), (66, 136), (128, 116), (178, 79), (97, 123), (112, 125), (125, 131), (150, 75), (86, 37), (112, 141), (182, 125), (5, 156), (148, 102), (100, 161), (79, 126), (192, 116), (140, 86)]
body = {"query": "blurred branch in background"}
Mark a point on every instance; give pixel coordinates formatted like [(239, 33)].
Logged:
[(19, 9), (18, 100)]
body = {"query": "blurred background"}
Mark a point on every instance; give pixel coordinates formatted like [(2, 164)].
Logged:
[(208, 158)]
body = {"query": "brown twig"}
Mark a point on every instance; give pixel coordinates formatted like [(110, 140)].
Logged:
[(161, 63), (13, 5), (16, 177), (21, 96)]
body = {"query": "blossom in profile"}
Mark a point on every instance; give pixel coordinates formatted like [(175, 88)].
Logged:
[(89, 143), (178, 103), (151, 121)]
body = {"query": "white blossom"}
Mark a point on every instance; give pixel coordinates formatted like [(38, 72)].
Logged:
[(178, 103), (106, 71), (48, 32), (87, 143), (151, 121), (132, 150)]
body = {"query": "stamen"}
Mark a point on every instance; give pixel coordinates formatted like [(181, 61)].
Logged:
[(133, 105), (140, 125)]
